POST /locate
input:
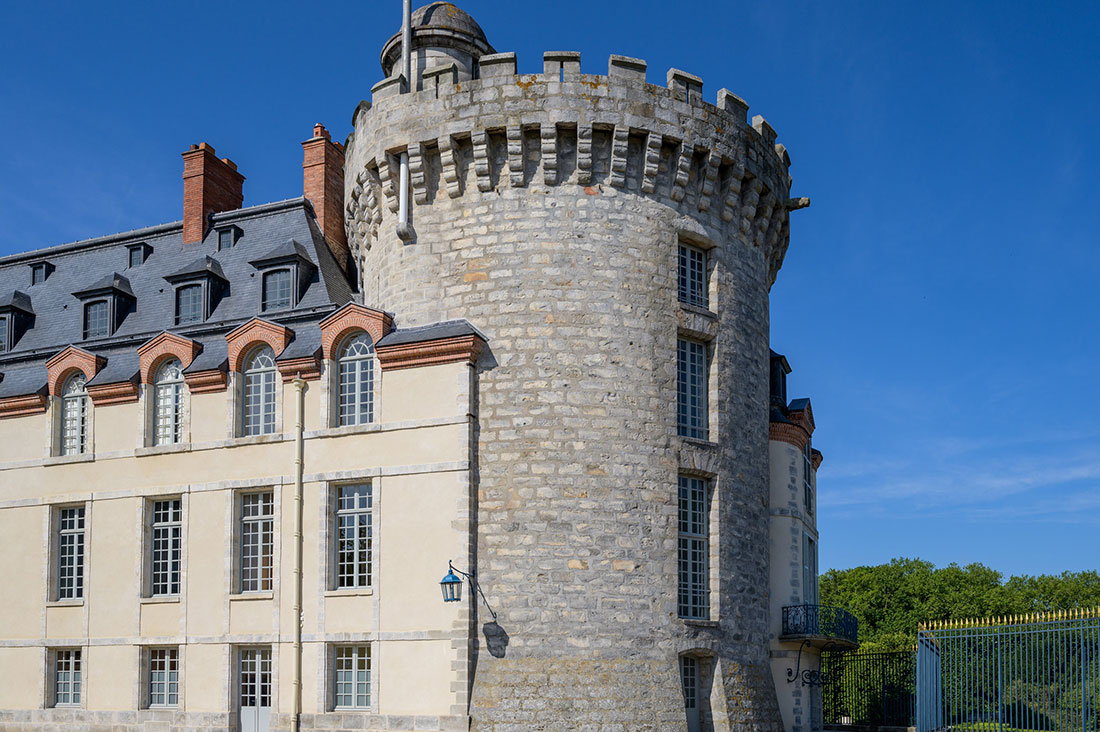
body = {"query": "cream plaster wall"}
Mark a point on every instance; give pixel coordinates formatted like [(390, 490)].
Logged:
[(417, 458)]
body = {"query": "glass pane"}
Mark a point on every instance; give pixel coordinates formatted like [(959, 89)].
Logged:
[(276, 290), (189, 304), (96, 320)]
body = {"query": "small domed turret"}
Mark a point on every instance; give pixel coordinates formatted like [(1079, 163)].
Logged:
[(442, 33)]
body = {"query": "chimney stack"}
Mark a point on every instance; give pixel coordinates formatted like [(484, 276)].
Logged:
[(323, 185), (210, 185)]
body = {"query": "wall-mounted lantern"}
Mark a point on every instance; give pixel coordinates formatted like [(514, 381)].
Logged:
[(451, 585)]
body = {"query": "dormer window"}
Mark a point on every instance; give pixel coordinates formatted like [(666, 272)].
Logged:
[(137, 254), (199, 288), (40, 271), (189, 304), (16, 317), (106, 305), (286, 273), (227, 237), (276, 294), (97, 319)]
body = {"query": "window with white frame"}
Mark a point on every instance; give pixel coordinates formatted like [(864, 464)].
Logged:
[(809, 570), (165, 547), (807, 478), (97, 319), (277, 290), (189, 304), (259, 392), (70, 553), (692, 276), (352, 677), (354, 535), (691, 389), (694, 547), (356, 375), (689, 679), (164, 682), (67, 677), (74, 416), (168, 403), (257, 541)]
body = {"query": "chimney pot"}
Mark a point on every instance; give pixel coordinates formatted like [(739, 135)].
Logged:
[(210, 186), (323, 185)]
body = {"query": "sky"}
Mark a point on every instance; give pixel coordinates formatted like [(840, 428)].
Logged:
[(938, 302)]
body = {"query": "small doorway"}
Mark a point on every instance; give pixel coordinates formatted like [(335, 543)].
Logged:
[(255, 689)]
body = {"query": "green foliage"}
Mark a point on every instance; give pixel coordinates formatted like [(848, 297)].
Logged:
[(890, 600)]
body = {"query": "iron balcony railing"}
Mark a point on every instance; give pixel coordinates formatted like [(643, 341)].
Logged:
[(820, 621)]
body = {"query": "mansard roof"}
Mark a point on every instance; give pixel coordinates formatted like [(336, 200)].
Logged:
[(102, 263)]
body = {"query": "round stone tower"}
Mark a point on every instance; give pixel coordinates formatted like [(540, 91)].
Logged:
[(591, 226)]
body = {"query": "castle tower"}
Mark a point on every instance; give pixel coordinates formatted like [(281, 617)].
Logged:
[(615, 241)]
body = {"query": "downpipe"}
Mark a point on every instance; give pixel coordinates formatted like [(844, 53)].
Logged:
[(299, 465), (404, 231)]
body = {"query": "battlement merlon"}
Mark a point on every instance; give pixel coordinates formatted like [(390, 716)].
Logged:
[(620, 129)]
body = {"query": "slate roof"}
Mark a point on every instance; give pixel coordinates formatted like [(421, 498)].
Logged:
[(103, 262), (433, 332)]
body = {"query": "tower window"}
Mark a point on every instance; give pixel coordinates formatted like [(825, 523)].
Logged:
[(276, 290), (692, 277), (807, 478), (689, 679), (97, 319), (691, 389), (189, 304), (693, 550)]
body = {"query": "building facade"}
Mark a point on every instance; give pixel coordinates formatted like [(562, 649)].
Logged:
[(518, 323)]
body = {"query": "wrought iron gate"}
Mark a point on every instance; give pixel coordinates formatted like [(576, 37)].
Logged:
[(1010, 674), (875, 689)]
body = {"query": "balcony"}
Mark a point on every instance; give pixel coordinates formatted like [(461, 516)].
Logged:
[(821, 625)]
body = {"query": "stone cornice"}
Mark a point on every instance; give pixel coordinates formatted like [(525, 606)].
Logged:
[(18, 406), (445, 350), (120, 392), (205, 382)]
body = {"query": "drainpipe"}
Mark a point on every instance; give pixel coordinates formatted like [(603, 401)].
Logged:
[(404, 231), (299, 464)]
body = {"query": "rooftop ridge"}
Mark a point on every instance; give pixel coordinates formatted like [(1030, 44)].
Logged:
[(149, 231)]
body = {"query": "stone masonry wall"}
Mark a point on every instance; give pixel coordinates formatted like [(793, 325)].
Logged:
[(548, 210)]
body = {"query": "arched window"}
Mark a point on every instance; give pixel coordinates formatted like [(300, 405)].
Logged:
[(74, 416), (168, 403), (356, 367), (259, 392)]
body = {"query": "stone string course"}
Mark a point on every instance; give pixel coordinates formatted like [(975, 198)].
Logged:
[(547, 210)]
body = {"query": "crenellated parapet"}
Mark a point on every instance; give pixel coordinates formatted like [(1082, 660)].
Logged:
[(564, 128)]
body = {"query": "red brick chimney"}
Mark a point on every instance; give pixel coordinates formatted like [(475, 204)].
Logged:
[(210, 186), (323, 185)]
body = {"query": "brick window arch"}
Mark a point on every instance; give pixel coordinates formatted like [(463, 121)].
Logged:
[(257, 331)]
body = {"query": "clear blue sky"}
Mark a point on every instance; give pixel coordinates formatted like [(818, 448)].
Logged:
[(939, 299)]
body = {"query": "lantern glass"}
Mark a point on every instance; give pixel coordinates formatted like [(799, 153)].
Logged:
[(451, 585)]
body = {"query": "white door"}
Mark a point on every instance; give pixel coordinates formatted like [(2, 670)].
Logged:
[(255, 689)]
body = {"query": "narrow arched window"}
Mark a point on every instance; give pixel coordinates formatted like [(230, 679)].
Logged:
[(168, 403), (74, 416), (259, 392), (356, 367)]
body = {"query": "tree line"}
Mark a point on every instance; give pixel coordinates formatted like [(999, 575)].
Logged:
[(890, 600)]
